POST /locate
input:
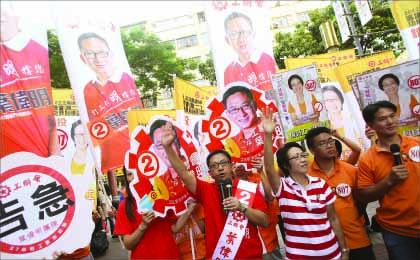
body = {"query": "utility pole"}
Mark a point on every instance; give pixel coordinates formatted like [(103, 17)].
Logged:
[(352, 27)]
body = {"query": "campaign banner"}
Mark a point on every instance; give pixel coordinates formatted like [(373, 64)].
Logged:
[(233, 123), (43, 207), (363, 10), (406, 15), (103, 86), (300, 101), (325, 63), (142, 117), (156, 185), (341, 20), (398, 84), (26, 106), (241, 43)]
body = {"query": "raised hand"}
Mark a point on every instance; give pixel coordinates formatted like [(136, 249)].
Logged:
[(267, 120), (168, 134)]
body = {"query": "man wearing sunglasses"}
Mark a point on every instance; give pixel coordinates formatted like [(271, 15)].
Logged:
[(251, 66), (220, 166), (341, 177), (108, 97)]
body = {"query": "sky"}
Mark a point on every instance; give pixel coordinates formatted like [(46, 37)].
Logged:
[(122, 12)]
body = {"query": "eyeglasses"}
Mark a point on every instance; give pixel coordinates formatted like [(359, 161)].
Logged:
[(330, 141), (98, 55), (235, 110), (236, 35), (303, 155), (215, 166)]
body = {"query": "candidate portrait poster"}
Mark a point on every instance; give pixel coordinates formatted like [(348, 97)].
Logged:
[(233, 123), (103, 86), (241, 42), (26, 106), (156, 185), (398, 84), (300, 101)]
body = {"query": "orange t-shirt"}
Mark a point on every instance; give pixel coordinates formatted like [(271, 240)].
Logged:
[(343, 181), (399, 210)]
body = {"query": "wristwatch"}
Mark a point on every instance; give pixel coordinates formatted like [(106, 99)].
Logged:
[(243, 208)]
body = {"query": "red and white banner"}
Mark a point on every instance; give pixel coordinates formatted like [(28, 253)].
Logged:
[(100, 76), (241, 42), (236, 222), (156, 185)]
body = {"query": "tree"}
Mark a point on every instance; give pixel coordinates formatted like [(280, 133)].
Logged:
[(207, 71), (59, 78), (153, 63), (306, 39)]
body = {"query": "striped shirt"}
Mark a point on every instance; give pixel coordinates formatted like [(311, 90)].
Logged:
[(309, 234)]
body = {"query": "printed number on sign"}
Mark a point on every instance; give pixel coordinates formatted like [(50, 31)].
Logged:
[(99, 130), (148, 164), (220, 128), (245, 196)]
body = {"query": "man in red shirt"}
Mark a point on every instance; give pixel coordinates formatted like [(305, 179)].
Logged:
[(108, 98), (220, 165), (252, 66), (27, 121)]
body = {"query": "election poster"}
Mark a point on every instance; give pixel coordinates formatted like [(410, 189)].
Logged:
[(406, 15), (233, 123), (156, 185), (325, 63), (398, 84), (363, 10), (341, 20), (27, 113), (300, 101), (241, 43), (103, 86), (43, 207)]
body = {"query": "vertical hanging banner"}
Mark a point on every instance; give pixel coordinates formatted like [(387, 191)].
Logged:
[(241, 42), (26, 105), (42, 206), (101, 80), (299, 98), (341, 20), (400, 85), (190, 105), (156, 185), (363, 10), (407, 18), (233, 123)]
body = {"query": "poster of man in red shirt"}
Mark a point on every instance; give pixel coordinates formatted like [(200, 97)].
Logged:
[(27, 121), (100, 77), (245, 54)]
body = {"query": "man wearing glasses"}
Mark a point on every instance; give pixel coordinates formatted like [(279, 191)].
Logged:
[(252, 66), (108, 97), (220, 165), (342, 178)]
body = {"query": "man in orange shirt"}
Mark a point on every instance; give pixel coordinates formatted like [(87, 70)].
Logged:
[(341, 177), (395, 186)]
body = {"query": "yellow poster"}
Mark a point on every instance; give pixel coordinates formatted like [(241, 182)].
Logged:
[(142, 117), (407, 18), (325, 63), (346, 73), (191, 98)]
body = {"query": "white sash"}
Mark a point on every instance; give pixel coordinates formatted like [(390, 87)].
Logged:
[(236, 223)]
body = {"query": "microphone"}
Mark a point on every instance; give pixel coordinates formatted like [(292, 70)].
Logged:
[(225, 190), (395, 150)]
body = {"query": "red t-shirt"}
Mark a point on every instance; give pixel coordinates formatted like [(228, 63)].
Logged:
[(157, 242), (110, 104), (256, 74), (25, 100), (208, 195)]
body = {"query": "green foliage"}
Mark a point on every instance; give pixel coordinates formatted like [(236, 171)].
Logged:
[(153, 63), (207, 71), (59, 78), (306, 39)]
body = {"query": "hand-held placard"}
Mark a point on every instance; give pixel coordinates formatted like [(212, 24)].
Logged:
[(395, 150)]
